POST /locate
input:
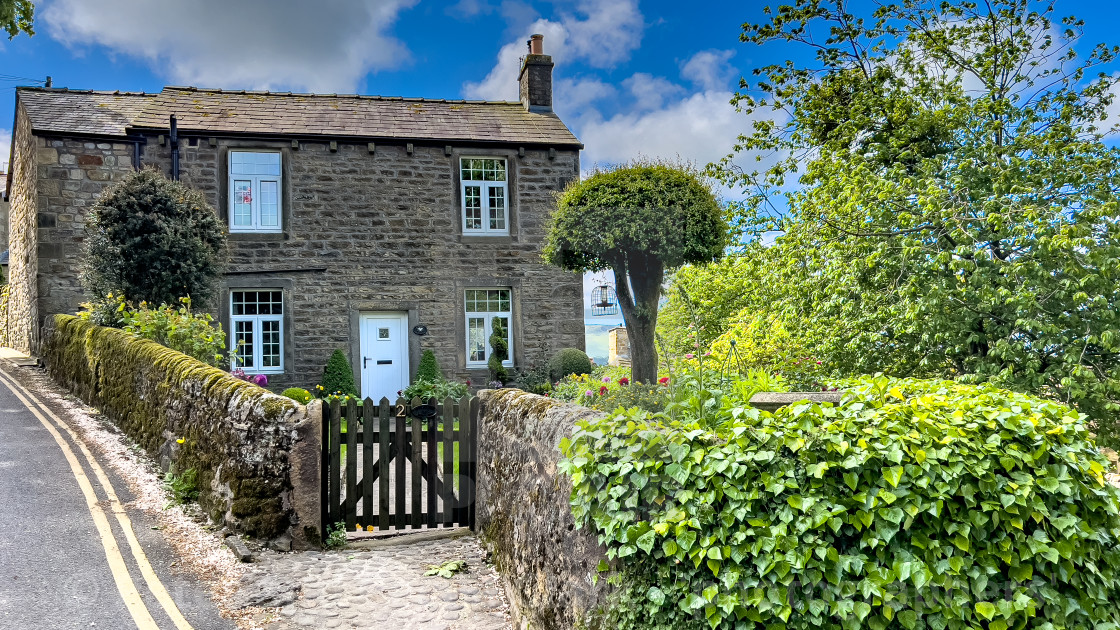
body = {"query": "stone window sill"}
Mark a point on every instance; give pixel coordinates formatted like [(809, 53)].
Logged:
[(470, 239), (258, 236)]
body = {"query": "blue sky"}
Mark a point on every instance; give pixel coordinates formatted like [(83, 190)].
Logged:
[(632, 77), (651, 78)]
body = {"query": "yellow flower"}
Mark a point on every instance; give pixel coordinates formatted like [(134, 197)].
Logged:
[(369, 528), (357, 528), (180, 440)]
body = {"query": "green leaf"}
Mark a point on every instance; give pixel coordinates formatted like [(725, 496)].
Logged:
[(985, 610)]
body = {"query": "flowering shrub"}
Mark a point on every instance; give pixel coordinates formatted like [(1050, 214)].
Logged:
[(257, 379), (298, 394), (195, 335)]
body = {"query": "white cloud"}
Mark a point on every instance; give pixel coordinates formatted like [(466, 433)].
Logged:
[(576, 95), (326, 46), (700, 128), (650, 92), (709, 69), (602, 34)]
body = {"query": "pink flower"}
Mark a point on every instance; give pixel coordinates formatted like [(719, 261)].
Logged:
[(688, 356), (606, 379), (708, 353), (603, 390), (589, 393), (624, 381), (664, 380)]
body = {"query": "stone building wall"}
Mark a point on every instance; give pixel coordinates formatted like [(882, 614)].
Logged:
[(23, 238), (363, 231), (71, 175), (382, 231), (524, 515)]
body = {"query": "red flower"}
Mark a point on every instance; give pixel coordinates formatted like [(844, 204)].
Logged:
[(664, 380), (603, 390), (624, 381)]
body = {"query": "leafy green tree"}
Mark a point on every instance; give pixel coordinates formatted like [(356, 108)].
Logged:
[(637, 220), (955, 202), (17, 16), (153, 240)]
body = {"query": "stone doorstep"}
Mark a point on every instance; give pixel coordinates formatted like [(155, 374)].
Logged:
[(391, 538)]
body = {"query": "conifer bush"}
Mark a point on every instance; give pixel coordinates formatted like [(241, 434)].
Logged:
[(428, 370), (338, 377), (912, 505)]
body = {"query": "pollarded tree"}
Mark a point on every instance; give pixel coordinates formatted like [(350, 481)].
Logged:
[(153, 240), (638, 221)]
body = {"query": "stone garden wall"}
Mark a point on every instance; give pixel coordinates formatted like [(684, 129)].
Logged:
[(256, 453), (524, 516)]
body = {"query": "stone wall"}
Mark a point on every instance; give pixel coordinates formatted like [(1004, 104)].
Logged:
[(524, 513), (363, 231), (256, 454), (23, 237), (71, 175)]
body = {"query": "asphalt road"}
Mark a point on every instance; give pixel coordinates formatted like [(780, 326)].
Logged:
[(71, 554)]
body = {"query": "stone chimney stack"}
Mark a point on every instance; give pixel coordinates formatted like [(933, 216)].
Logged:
[(536, 77)]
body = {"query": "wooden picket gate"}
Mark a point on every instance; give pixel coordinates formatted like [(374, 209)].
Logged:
[(408, 464)]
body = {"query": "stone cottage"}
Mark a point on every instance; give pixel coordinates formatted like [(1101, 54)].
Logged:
[(382, 226)]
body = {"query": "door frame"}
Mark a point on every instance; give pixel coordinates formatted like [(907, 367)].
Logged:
[(365, 307)]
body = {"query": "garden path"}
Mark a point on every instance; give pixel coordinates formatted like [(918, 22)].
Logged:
[(385, 586)]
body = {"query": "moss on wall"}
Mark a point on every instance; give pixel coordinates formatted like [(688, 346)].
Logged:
[(524, 515), (236, 435)]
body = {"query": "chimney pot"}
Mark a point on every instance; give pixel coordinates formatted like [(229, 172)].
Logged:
[(536, 44)]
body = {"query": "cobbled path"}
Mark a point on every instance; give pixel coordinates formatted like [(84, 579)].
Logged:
[(386, 587)]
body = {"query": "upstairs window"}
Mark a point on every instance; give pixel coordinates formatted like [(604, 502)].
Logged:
[(257, 323), (254, 191), (485, 196), (488, 311)]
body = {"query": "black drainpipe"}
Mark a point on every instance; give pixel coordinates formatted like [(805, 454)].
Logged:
[(136, 154), (174, 149)]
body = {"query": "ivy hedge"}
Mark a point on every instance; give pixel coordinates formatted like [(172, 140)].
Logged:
[(913, 504)]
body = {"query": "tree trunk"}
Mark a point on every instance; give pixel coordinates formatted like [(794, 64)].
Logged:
[(639, 311)]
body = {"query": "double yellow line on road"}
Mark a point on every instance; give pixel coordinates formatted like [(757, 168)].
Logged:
[(125, 584)]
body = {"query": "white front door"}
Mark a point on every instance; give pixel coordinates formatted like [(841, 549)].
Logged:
[(384, 354)]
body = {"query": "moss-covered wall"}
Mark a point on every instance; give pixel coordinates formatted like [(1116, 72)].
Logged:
[(523, 511), (241, 439)]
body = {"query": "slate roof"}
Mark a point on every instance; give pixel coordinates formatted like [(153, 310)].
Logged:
[(220, 112), (88, 113)]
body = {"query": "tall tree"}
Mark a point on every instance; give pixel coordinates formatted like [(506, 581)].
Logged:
[(17, 16), (638, 221), (952, 172), (154, 240)]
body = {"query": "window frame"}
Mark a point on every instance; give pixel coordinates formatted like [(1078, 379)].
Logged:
[(485, 186), (255, 185), (488, 327), (257, 331)]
